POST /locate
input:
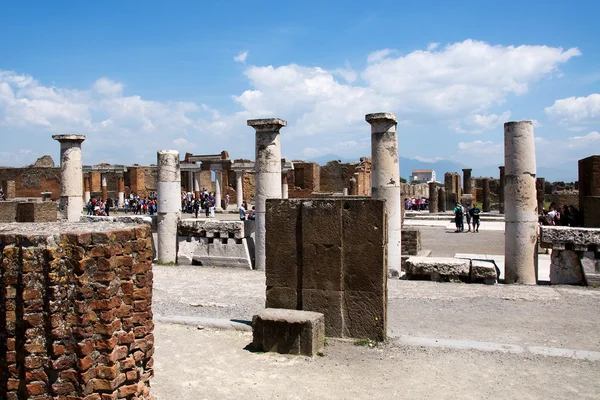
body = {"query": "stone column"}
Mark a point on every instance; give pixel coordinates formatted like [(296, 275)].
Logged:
[(521, 221), (104, 188), (284, 185), (71, 175), (169, 205), (501, 191), (486, 195), (467, 180), (218, 169), (442, 199), (268, 176), (197, 185), (190, 179), (87, 194), (121, 189), (433, 197), (239, 187), (540, 188), (354, 185), (385, 180)]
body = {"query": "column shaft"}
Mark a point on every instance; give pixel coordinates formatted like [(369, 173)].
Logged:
[(442, 199), (169, 204), (268, 176), (71, 172), (218, 190), (433, 197), (284, 185), (520, 203), (104, 189), (501, 191), (486, 195), (239, 188), (385, 180)]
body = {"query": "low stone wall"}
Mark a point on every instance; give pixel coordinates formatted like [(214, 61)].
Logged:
[(215, 243), (75, 311), (411, 241), (329, 256), (31, 211)]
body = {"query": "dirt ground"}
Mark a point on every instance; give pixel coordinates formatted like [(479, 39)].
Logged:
[(196, 364)]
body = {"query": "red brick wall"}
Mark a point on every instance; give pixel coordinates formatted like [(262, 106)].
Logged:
[(75, 315)]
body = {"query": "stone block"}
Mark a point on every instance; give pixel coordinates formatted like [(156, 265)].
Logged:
[(411, 241), (565, 268), (37, 212), (282, 297), (365, 315), (591, 213), (8, 211), (283, 232), (564, 237), (289, 332), (214, 252), (484, 271), (437, 268), (329, 303), (591, 268)]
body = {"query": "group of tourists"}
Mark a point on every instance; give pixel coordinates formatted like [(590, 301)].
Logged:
[(96, 206), (472, 214), (246, 214), (141, 206), (561, 216), (416, 204)]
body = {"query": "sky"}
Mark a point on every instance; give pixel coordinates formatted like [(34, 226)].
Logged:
[(140, 76)]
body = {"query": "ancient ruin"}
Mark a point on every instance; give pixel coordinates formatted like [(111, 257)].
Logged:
[(169, 206)]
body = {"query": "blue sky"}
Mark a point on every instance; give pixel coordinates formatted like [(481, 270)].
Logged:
[(136, 77)]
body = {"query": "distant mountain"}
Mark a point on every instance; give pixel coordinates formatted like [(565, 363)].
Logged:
[(550, 174)]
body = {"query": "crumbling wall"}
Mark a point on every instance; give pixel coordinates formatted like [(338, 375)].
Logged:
[(32, 181), (565, 198), (75, 312)]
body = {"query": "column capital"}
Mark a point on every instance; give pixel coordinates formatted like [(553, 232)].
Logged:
[(69, 138), (467, 169), (501, 168), (267, 124), (382, 122)]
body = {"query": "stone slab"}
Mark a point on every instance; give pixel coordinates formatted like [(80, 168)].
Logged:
[(591, 268), (8, 211), (215, 228), (289, 331), (437, 267), (214, 252), (484, 271), (564, 237)]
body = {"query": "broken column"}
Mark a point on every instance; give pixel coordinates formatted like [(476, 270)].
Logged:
[(87, 195), (104, 189), (486, 195), (197, 184), (433, 197), (501, 191), (268, 176), (218, 169), (540, 188), (442, 199), (467, 180), (121, 189), (168, 193), (284, 185), (239, 188), (71, 175), (521, 221), (385, 183)]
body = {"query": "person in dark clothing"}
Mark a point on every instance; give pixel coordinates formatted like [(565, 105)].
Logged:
[(475, 211), (108, 206)]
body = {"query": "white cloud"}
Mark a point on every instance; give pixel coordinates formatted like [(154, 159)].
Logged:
[(432, 46), (428, 160), (481, 147), (108, 87), (348, 74), (575, 110), (345, 147), (591, 139), (477, 123), (378, 55), (241, 57)]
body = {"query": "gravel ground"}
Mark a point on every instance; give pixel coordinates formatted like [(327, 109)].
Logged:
[(206, 364)]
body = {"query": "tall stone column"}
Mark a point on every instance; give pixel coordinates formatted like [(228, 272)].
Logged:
[(501, 191), (87, 194), (190, 183), (521, 221), (442, 199), (486, 195), (197, 184), (218, 169), (71, 175), (169, 205), (284, 185), (121, 189), (467, 180), (268, 176), (433, 197), (540, 188), (239, 187), (104, 188), (385, 180)]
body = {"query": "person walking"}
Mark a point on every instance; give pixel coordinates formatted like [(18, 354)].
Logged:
[(458, 217), (475, 211)]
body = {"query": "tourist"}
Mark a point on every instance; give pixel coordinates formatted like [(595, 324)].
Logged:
[(252, 214), (475, 211), (126, 205), (107, 206), (2, 197), (90, 207), (468, 215), (226, 201), (458, 217), (196, 207), (242, 212)]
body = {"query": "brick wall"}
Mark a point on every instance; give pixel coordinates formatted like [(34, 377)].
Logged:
[(329, 256), (75, 313), (565, 198), (31, 181)]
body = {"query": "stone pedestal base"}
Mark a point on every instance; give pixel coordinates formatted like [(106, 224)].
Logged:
[(289, 332), (565, 268)]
